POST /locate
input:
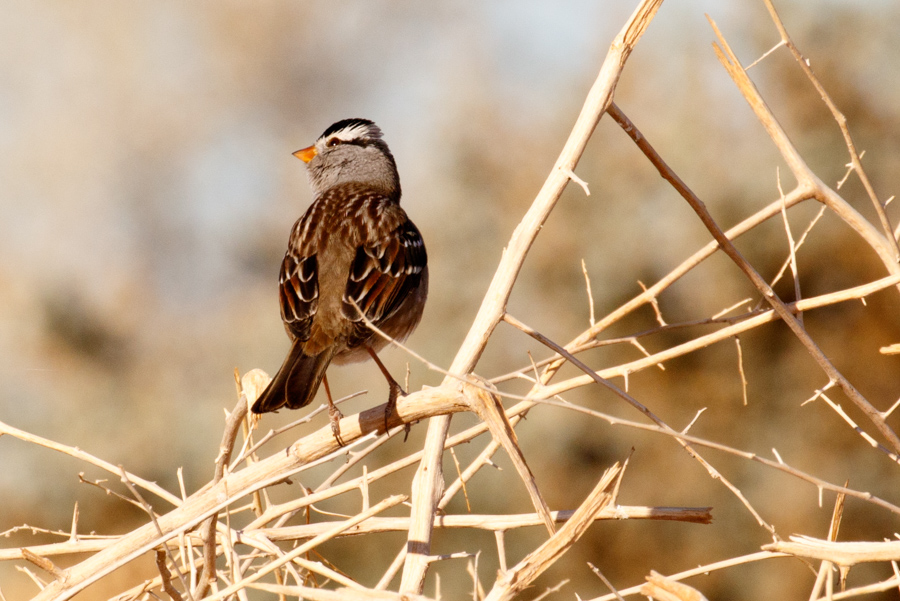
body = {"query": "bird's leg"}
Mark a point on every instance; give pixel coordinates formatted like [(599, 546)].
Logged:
[(334, 414), (393, 387)]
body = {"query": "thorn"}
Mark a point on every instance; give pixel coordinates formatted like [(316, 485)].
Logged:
[(571, 175)]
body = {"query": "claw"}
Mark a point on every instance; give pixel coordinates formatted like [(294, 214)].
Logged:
[(394, 392), (335, 416)]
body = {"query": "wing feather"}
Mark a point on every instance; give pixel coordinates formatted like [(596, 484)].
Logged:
[(383, 274)]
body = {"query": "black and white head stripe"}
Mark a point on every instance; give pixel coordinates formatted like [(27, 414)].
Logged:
[(350, 130)]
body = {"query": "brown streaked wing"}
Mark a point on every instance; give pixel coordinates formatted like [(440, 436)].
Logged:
[(382, 275), (299, 293)]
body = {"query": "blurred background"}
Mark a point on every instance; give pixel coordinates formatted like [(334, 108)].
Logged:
[(147, 189)]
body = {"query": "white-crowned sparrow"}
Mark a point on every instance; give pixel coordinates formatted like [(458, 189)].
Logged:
[(354, 249)]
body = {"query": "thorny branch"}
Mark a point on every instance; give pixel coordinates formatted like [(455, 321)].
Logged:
[(233, 518)]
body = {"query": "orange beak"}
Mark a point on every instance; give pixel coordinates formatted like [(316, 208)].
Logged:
[(306, 154)]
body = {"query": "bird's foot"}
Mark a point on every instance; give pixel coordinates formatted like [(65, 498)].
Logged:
[(395, 391), (335, 416)]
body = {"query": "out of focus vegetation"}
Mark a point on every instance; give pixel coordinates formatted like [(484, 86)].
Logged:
[(147, 190)]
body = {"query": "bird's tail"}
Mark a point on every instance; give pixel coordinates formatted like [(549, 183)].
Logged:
[(296, 383)]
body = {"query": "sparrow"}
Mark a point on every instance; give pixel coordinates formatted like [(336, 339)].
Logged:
[(353, 257)]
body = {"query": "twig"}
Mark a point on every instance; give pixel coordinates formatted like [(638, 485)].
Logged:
[(841, 121), (235, 485), (792, 249), (255, 381), (740, 358), (590, 294), (87, 457), (780, 308), (166, 575), (842, 554), (155, 523), (550, 390), (701, 570), (43, 563), (665, 589), (712, 471), (608, 584), (429, 475), (490, 410), (297, 552), (524, 573), (695, 440)]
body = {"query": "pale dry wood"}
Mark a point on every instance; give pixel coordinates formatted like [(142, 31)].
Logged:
[(235, 485), (698, 571), (649, 295), (839, 553), (344, 594), (249, 389), (841, 120), (489, 408), (665, 589), (428, 480), (710, 469), (877, 587), (311, 544), (697, 515), (825, 568), (520, 576), (696, 440), (752, 321), (805, 177), (88, 458), (42, 562)]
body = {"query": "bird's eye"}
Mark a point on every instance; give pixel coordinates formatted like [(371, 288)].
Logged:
[(332, 142)]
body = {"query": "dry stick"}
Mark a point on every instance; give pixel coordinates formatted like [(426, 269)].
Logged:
[(535, 563), (42, 562), (649, 295), (79, 454), (202, 504), (787, 262), (321, 594), (891, 583), (490, 410), (494, 523), (842, 124), (429, 478), (482, 459), (781, 466), (226, 447), (842, 554), (698, 571), (275, 511), (713, 472), (826, 566), (165, 547), (792, 248), (256, 542), (297, 552), (777, 304), (740, 358), (806, 179), (608, 584), (717, 336), (865, 435), (664, 589), (166, 576)]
